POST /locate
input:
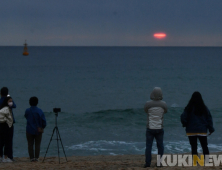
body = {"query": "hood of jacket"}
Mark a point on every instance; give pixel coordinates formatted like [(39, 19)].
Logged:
[(156, 94)]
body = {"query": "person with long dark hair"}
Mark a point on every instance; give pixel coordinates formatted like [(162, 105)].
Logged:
[(6, 130), (198, 120)]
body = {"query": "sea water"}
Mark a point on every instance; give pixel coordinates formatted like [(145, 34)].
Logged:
[(102, 91)]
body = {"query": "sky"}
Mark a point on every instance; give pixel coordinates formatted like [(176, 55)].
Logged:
[(110, 22)]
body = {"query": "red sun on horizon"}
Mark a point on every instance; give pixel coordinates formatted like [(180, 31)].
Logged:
[(159, 35)]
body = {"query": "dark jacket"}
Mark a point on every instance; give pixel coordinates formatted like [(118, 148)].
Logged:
[(35, 118), (197, 124)]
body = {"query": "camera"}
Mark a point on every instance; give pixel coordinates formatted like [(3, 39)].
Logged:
[(56, 110)]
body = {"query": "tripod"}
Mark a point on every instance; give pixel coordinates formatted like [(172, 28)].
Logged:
[(57, 138)]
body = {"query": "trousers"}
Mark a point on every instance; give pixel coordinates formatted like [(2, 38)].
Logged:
[(34, 140), (6, 136), (150, 135), (203, 143)]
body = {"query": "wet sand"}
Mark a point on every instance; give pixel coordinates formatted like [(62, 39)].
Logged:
[(119, 162)]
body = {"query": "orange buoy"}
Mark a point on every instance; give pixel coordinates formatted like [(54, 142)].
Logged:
[(25, 51)]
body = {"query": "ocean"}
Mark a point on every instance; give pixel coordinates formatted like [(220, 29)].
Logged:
[(102, 91)]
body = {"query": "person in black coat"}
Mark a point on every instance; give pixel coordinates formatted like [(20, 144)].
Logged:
[(197, 120)]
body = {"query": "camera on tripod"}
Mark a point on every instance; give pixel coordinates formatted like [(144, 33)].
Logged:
[(58, 137), (56, 110)]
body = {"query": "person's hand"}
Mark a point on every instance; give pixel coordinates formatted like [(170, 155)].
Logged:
[(210, 133)]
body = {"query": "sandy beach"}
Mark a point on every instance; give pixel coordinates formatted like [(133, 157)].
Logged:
[(119, 162)]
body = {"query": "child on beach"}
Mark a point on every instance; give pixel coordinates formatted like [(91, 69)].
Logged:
[(6, 130), (197, 120), (155, 110), (36, 122)]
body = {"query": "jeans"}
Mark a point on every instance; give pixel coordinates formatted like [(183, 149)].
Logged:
[(150, 135), (203, 142), (34, 139)]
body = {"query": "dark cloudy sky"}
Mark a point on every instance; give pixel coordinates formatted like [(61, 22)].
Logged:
[(111, 22)]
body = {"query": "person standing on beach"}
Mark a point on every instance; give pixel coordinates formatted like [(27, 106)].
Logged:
[(36, 122), (6, 130), (4, 94), (155, 108), (197, 120)]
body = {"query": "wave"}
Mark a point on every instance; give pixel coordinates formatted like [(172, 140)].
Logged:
[(117, 147), (123, 117), (113, 147), (128, 111), (174, 105)]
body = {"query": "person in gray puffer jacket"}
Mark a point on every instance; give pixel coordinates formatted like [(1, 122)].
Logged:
[(155, 109)]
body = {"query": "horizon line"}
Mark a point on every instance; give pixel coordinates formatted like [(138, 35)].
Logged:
[(97, 46)]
